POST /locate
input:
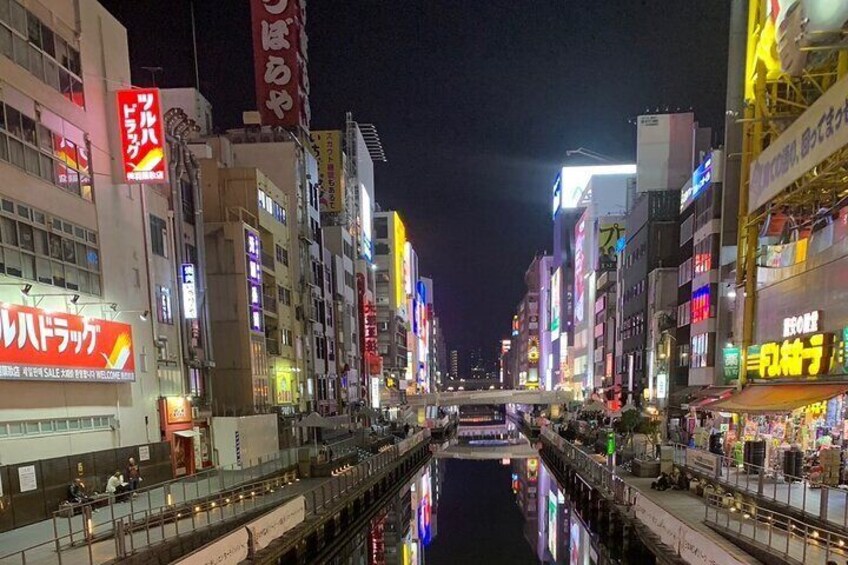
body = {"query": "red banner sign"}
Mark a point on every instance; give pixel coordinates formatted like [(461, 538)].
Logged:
[(279, 53), (45, 346), (142, 136)]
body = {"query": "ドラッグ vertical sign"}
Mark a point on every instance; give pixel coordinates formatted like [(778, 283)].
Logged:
[(142, 136), (279, 54)]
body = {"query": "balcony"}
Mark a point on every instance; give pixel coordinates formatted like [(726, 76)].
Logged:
[(268, 261), (272, 346), (269, 304)]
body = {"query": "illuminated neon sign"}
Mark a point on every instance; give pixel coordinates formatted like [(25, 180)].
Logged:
[(808, 356), (142, 136)]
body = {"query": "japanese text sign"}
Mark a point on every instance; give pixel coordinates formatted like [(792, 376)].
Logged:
[(46, 346), (813, 137), (799, 357), (327, 146), (189, 291), (279, 53), (253, 249), (142, 136)]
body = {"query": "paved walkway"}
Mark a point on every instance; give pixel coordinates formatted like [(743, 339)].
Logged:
[(797, 496), (687, 508)]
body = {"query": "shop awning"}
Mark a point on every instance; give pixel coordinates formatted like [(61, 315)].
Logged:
[(186, 433), (680, 395), (777, 399), (705, 399)]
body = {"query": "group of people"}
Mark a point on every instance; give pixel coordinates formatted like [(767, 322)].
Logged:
[(677, 480), (119, 484)]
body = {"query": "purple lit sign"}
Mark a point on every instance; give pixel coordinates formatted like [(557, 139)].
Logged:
[(253, 248)]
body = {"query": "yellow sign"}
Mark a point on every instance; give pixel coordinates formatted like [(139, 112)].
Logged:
[(285, 385), (398, 255), (327, 146), (799, 357)]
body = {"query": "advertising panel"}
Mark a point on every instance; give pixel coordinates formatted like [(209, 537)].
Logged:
[(36, 345), (327, 146), (610, 233), (142, 136), (279, 62), (274, 524), (367, 221), (177, 410), (813, 137), (284, 382), (579, 270), (398, 252), (573, 180), (556, 291), (189, 291), (256, 320)]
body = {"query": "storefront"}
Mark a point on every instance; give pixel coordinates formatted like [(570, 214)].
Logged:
[(190, 441), (795, 400)]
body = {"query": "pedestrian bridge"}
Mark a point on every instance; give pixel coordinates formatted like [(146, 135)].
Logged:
[(497, 452), (470, 397)]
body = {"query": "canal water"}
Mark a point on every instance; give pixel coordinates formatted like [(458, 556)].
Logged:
[(469, 512)]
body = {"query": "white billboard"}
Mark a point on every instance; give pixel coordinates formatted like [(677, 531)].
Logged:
[(572, 181)]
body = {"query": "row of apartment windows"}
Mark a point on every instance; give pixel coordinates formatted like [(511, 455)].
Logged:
[(703, 350), (272, 207), (33, 45), (634, 256), (44, 153), (53, 426), (47, 249), (634, 290)]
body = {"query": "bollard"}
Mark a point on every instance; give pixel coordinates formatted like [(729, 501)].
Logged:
[(120, 541)]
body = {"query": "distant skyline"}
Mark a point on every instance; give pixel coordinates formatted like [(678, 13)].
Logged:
[(476, 104)]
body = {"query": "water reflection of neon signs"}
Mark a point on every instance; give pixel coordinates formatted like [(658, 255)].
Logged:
[(425, 510), (532, 469), (552, 524)]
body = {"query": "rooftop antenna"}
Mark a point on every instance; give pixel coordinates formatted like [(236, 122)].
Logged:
[(153, 71), (194, 47), (591, 154)]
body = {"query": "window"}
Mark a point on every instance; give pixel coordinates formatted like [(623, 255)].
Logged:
[(320, 347), (17, 429), (381, 248), (157, 236), (287, 337), (59, 256), (188, 201), (29, 42), (43, 153), (272, 207), (284, 295), (164, 311), (381, 228), (282, 254)]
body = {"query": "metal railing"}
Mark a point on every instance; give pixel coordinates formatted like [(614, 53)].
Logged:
[(772, 485), (602, 476), (130, 526), (778, 533)]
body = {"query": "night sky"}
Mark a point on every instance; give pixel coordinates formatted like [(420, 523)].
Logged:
[(476, 102)]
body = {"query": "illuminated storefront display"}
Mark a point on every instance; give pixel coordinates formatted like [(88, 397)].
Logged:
[(285, 383), (253, 249), (189, 291), (37, 345), (555, 303), (798, 357), (142, 136)]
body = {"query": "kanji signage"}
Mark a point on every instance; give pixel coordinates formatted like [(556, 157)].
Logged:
[(327, 146), (142, 136), (279, 52), (253, 249), (189, 291), (54, 346)]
